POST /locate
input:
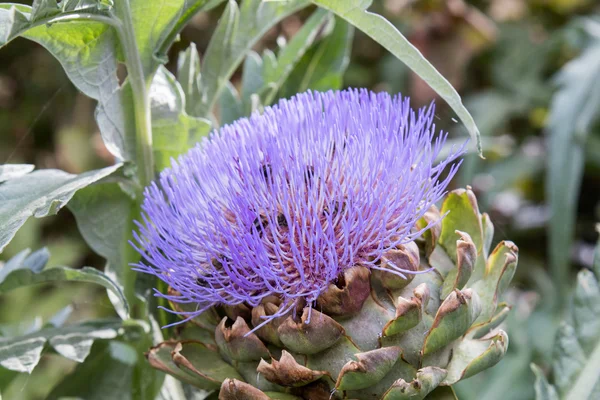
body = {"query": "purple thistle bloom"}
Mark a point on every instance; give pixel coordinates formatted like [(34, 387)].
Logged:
[(282, 202)]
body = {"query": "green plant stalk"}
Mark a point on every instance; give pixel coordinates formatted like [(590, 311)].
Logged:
[(143, 133), (141, 100), (137, 308)]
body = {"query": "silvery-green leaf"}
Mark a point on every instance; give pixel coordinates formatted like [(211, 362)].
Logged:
[(569, 358), (38, 194), (16, 19), (104, 215), (586, 310), (25, 277), (577, 350), (23, 353), (543, 390), (574, 108), (110, 372), (25, 259), (11, 171)]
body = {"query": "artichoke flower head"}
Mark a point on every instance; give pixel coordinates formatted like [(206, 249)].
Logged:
[(306, 236)]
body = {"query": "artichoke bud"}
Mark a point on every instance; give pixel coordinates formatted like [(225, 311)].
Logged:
[(310, 336), (233, 389), (404, 257), (287, 372), (347, 296), (237, 344)]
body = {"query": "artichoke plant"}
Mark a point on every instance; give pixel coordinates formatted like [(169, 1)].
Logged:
[(307, 259)]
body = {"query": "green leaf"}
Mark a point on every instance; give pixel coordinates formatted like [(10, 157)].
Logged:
[(35, 262), (586, 310), (543, 390), (187, 10), (386, 34), (294, 52), (26, 269), (574, 108), (174, 131), (569, 358), (586, 318), (577, 349), (323, 66), (74, 342), (252, 79), (16, 19), (25, 277), (230, 105), (12, 171), (111, 372), (39, 194), (238, 30), (104, 215), (188, 76)]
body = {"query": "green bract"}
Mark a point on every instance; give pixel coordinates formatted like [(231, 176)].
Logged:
[(372, 335)]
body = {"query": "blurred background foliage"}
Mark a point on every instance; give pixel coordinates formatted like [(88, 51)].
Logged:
[(526, 70)]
